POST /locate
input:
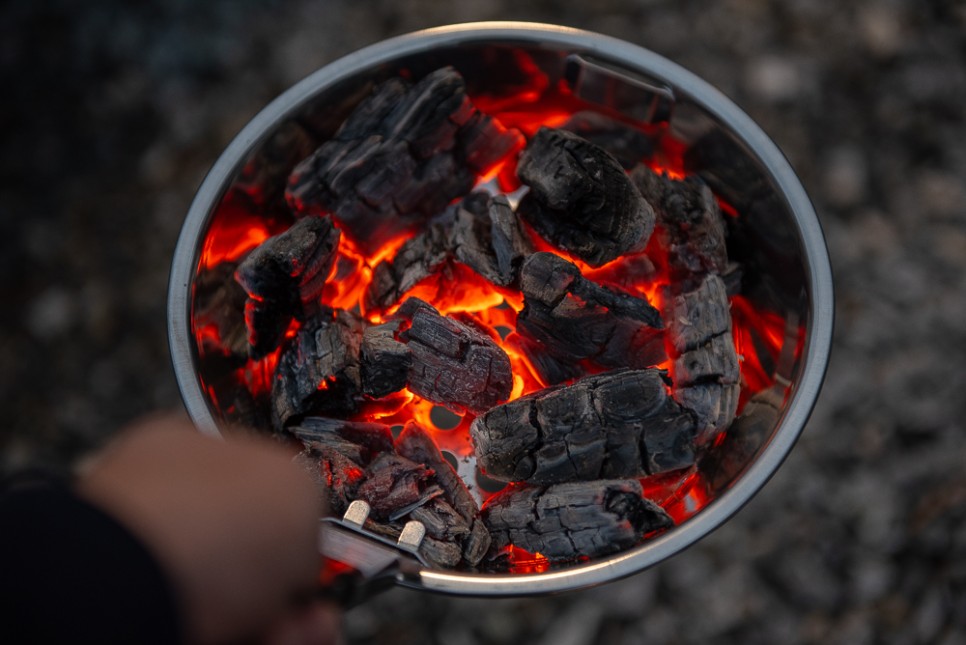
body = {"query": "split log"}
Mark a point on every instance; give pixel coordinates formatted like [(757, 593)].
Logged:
[(402, 155), (628, 145), (318, 371), (572, 520), (569, 319), (580, 198), (283, 278), (452, 363), (691, 226), (617, 424)]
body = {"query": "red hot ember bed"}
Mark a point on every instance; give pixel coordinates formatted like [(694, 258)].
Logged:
[(551, 302)]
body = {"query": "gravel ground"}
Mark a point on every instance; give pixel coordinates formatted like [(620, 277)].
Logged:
[(112, 112)]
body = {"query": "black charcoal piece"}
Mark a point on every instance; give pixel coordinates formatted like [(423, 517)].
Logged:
[(359, 440), (265, 172), (487, 237), (453, 364), (219, 305), (580, 198), (400, 158), (283, 278), (417, 259), (690, 223), (713, 405), (384, 360), (572, 520), (569, 319), (617, 424), (715, 361), (628, 145), (318, 371), (694, 317)]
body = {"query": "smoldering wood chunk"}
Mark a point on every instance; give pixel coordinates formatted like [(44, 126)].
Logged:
[(714, 361), (402, 155), (570, 319), (284, 277), (580, 199), (417, 259), (628, 145), (713, 404), (318, 371), (480, 231), (385, 361), (698, 315), (219, 305), (691, 225), (616, 424), (264, 174), (571, 520), (488, 238), (454, 364)]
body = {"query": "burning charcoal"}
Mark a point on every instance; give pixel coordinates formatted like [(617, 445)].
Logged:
[(571, 520), (263, 177), (284, 277), (580, 199), (570, 319), (453, 364), (628, 145), (393, 483), (218, 307), (416, 444), (488, 238), (616, 424), (385, 360), (697, 316), (417, 259), (692, 228), (337, 476), (706, 372), (403, 154), (318, 371)]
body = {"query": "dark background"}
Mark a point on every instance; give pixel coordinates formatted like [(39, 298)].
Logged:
[(111, 113)]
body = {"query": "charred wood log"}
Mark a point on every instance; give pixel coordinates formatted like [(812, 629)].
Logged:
[(283, 278), (452, 363), (481, 232), (402, 155), (617, 424), (570, 319), (318, 371), (385, 361), (580, 198), (690, 224), (572, 520), (628, 145)]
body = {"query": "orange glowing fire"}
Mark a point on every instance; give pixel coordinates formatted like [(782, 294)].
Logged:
[(458, 291)]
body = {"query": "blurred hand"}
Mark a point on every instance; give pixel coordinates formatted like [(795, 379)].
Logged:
[(234, 523)]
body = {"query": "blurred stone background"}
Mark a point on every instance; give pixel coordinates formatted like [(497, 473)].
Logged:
[(111, 112)]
